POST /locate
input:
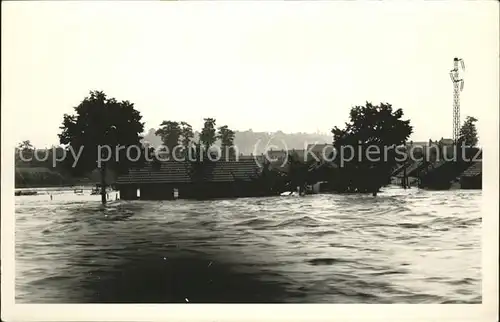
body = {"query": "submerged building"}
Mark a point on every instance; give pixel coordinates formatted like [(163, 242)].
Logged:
[(190, 180), (443, 174), (472, 178)]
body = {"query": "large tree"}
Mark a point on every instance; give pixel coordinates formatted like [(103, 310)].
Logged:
[(226, 136), (468, 132), (366, 147), (25, 145), (170, 133), (208, 134), (101, 124), (186, 135), (24, 151)]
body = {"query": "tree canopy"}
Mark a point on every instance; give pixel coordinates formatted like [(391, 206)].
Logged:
[(366, 147), (25, 145), (208, 134), (246, 140), (226, 136), (24, 150), (170, 133), (468, 132), (187, 134), (181, 134), (102, 121)]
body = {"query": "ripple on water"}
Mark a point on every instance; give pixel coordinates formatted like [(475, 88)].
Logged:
[(321, 248)]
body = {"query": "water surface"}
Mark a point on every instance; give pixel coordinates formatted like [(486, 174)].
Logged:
[(403, 246)]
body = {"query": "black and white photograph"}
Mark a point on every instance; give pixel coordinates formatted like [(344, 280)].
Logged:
[(242, 152)]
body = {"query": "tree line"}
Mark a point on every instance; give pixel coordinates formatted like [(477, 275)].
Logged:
[(180, 134), (254, 142)]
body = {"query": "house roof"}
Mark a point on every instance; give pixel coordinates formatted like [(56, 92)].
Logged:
[(227, 171), (447, 141), (321, 150), (184, 172), (167, 172)]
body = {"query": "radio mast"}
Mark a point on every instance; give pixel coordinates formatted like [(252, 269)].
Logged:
[(458, 86)]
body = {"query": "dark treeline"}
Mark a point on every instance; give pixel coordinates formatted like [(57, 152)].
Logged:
[(36, 168), (178, 137), (250, 142)]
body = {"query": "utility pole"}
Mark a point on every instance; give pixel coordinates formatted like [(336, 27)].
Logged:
[(404, 183), (458, 86), (405, 165)]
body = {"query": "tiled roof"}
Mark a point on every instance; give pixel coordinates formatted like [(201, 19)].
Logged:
[(475, 169), (185, 172), (230, 171), (168, 172)]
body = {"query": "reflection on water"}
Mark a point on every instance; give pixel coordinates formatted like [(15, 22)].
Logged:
[(399, 247)]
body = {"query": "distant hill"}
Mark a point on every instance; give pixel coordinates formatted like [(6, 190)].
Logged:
[(255, 142)]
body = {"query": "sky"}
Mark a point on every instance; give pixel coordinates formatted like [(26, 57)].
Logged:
[(265, 66)]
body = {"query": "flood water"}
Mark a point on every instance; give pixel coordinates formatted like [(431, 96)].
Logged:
[(403, 246)]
